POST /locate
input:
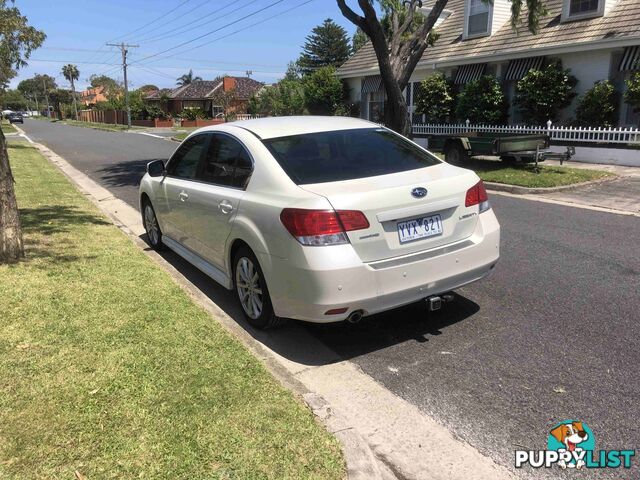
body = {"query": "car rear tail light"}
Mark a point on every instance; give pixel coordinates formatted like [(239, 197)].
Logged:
[(477, 195), (322, 227)]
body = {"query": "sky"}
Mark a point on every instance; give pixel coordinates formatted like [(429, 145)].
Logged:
[(77, 32)]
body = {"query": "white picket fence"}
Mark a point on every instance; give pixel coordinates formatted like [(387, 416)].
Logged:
[(246, 116), (566, 134)]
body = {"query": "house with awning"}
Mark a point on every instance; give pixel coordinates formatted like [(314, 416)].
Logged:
[(595, 39)]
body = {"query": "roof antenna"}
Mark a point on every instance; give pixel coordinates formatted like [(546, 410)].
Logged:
[(249, 73)]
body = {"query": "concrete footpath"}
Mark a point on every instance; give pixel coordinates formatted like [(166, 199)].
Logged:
[(383, 436)]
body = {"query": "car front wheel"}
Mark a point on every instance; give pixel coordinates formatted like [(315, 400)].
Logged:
[(151, 226), (251, 290)]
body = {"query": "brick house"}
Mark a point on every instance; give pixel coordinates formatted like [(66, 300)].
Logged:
[(595, 39), (222, 96)]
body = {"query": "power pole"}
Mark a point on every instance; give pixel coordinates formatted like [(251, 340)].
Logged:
[(46, 97), (124, 49)]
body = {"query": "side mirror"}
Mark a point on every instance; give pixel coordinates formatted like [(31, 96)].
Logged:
[(156, 168)]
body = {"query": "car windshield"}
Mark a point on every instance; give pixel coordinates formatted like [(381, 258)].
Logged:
[(346, 155)]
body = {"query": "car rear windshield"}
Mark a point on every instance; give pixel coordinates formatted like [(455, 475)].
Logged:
[(346, 155)]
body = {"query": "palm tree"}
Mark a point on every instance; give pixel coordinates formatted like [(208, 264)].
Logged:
[(187, 78), (71, 73)]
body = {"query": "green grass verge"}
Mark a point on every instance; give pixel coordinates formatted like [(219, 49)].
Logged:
[(109, 369), (525, 175), (181, 136), (7, 127), (99, 126)]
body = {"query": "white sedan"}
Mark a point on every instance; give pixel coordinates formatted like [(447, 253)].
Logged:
[(320, 219)]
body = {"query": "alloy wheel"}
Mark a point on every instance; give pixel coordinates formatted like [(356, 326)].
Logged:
[(249, 289), (151, 225)]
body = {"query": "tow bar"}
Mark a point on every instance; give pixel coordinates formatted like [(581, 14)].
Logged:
[(435, 302)]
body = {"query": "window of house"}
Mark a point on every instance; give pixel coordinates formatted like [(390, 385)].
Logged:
[(478, 19), (376, 106), (216, 111), (578, 9)]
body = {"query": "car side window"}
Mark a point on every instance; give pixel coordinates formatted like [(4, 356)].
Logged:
[(226, 162), (184, 163)]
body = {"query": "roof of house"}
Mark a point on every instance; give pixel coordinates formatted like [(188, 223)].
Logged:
[(620, 23), (208, 89)]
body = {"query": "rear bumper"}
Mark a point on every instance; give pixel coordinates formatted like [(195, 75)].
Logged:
[(319, 279)]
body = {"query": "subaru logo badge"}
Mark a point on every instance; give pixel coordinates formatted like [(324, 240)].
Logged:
[(419, 192)]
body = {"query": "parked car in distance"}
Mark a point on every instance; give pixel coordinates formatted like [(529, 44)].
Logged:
[(320, 219), (15, 117)]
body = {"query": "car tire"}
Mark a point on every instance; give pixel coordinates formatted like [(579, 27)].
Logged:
[(252, 292), (151, 226), (455, 154)]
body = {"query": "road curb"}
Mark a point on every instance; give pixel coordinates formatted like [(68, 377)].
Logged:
[(383, 437), (519, 190)]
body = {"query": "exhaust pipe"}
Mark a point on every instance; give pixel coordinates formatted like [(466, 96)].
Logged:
[(355, 316)]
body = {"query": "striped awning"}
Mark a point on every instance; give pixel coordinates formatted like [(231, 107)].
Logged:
[(520, 67), (631, 59), (372, 84), (469, 73)]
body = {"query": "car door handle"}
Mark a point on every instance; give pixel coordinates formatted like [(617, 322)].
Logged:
[(225, 207), (183, 196)]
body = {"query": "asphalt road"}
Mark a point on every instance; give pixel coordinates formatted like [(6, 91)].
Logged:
[(552, 335)]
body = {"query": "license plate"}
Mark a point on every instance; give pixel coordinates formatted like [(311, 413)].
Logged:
[(418, 228)]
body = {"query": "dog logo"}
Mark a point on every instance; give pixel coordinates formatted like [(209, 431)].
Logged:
[(571, 444), (571, 437), (419, 192)]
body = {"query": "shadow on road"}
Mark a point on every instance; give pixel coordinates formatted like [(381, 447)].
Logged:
[(320, 344), (125, 174)]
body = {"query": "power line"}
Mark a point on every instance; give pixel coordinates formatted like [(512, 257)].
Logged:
[(154, 21), (182, 29), (174, 19), (231, 33), (213, 31)]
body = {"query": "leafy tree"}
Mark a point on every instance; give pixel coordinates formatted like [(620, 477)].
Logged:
[(293, 71), (110, 85), (358, 40), (71, 73), (187, 78), (284, 98), (400, 47), (632, 95), (17, 40), (37, 88), (542, 94), (324, 93), (328, 45), (482, 101), (60, 98), (14, 100), (598, 106), (148, 88), (434, 98)]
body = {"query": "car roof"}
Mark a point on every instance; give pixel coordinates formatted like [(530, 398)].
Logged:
[(272, 127)]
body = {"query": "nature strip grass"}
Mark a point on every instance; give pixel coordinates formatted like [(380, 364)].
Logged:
[(99, 126), (7, 127), (107, 368)]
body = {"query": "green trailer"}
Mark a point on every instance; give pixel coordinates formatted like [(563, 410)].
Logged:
[(510, 148)]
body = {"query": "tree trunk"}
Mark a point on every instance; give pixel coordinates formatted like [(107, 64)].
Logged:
[(396, 113), (75, 106), (11, 247)]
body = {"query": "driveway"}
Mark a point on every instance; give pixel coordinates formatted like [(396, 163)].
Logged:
[(552, 335)]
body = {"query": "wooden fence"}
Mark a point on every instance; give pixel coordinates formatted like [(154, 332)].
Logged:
[(629, 136)]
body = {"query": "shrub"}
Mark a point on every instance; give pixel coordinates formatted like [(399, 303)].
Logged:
[(632, 95), (542, 94), (597, 107), (153, 111), (324, 93), (482, 101), (434, 98), (193, 113), (284, 98)]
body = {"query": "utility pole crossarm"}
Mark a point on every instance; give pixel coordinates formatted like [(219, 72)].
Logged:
[(124, 50)]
